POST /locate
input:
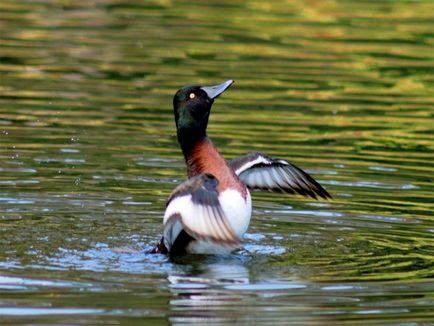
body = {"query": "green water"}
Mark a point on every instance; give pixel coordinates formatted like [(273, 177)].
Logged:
[(88, 157)]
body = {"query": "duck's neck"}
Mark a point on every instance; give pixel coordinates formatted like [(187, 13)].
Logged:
[(203, 157)]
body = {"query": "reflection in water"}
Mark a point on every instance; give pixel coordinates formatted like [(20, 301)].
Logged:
[(212, 274), (215, 290)]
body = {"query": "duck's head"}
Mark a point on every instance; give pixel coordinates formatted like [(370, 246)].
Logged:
[(192, 106)]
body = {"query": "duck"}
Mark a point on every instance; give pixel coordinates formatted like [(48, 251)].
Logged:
[(210, 212)]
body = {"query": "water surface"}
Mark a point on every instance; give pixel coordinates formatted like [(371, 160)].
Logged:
[(88, 157)]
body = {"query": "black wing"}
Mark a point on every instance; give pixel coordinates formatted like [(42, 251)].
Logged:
[(260, 171)]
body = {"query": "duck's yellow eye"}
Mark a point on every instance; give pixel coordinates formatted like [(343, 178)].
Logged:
[(192, 95)]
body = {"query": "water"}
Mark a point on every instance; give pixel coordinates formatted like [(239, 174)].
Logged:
[(88, 157)]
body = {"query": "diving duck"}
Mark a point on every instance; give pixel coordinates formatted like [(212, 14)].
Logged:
[(210, 212)]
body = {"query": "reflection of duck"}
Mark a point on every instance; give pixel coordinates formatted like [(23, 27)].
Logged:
[(198, 288), (210, 212), (206, 273)]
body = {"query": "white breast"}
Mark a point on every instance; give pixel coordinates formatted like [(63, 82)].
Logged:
[(237, 209)]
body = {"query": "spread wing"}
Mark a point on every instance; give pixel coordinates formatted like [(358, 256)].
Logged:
[(259, 171), (193, 208)]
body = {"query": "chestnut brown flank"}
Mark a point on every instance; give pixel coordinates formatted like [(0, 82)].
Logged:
[(205, 158)]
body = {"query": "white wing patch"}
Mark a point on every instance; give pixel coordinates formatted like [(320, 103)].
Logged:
[(249, 164)]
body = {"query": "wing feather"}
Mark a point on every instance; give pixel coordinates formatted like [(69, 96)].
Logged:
[(260, 171), (194, 207)]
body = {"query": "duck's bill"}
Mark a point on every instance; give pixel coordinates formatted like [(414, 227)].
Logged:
[(215, 91)]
